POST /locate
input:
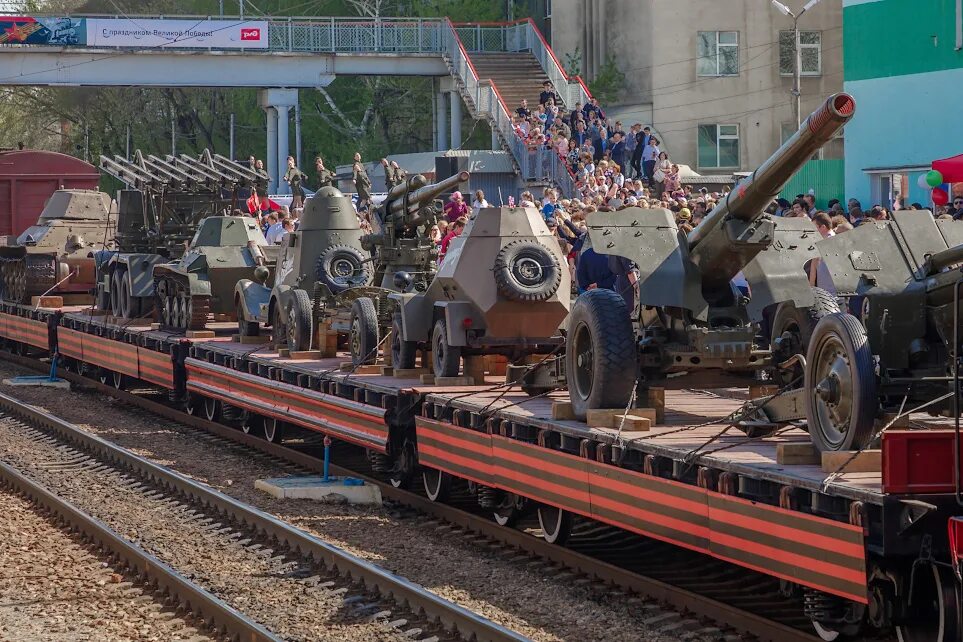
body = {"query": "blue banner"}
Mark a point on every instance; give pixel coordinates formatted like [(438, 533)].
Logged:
[(26, 30)]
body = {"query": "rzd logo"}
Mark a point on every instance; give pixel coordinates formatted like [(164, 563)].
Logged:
[(250, 34)]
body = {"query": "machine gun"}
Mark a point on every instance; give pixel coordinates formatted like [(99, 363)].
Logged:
[(691, 318), (399, 242)]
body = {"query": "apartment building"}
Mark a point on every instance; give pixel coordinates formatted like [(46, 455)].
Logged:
[(712, 77)]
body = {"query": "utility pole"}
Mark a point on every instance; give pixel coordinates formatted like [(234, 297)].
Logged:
[(796, 91), (231, 155), (240, 8)]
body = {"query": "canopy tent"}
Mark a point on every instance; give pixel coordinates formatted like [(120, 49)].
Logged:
[(951, 168)]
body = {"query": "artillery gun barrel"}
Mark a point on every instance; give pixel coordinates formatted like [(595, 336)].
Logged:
[(750, 198), (423, 195), (410, 185)]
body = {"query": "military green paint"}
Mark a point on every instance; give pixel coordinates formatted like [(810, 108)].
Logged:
[(898, 38)]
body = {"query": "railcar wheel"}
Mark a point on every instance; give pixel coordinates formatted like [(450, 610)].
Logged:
[(212, 409), (105, 377), (600, 354), (250, 422), (193, 404), (508, 510), (556, 524), (274, 429), (404, 468), (118, 380), (364, 332), (934, 614), (437, 484), (403, 352), (841, 397), (446, 358)]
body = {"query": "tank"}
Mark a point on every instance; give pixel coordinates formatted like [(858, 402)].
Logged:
[(201, 283), (323, 258), (56, 255), (503, 288), (29, 177)]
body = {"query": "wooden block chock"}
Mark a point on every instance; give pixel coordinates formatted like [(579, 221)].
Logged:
[(797, 454), (410, 373), (304, 355), (386, 348), (475, 367), (199, 334), (612, 417), (632, 423), (326, 340), (562, 410), (757, 391), (497, 365), (454, 381), (48, 301), (657, 403), (427, 379), (848, 461)]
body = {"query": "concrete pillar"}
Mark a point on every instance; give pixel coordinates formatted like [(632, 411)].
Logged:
[(496, 144), (442, 121), (284, 117), (272, 148), (455, 120)]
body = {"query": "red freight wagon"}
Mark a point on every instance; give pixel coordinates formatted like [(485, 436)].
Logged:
[(27, 179)]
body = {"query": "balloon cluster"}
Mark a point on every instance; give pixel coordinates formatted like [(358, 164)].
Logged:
[(933, 180)]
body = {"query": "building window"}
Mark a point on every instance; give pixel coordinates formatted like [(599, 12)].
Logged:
[(810, 49), (718, 146), (718, 53)]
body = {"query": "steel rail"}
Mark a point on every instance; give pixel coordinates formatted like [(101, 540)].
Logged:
[(202, 604), (453, 617), (679, 598)]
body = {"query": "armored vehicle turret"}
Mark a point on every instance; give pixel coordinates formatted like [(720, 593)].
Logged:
[(320, 260), (691, 318), (503, 288), (201, 283), (56, 255)]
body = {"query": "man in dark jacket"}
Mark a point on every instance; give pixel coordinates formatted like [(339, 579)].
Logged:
[(618, 151), (593, 271)]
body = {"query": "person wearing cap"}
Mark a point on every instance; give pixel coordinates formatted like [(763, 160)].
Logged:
[(456, 207), (684, 214)]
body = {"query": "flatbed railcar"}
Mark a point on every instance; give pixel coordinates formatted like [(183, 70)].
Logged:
[(868, 550)]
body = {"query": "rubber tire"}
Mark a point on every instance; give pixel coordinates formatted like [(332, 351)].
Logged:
[(446, 359), (862, 365), (403, 353), (245, 328), (116, 304), (363, 313), (507, 282), (327, 258), (603, 317), (805, 319), (298, 315)]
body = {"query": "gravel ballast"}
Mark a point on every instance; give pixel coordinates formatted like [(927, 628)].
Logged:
[(520, 596)]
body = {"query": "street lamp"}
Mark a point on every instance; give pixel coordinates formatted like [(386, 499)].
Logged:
[(797, 53)]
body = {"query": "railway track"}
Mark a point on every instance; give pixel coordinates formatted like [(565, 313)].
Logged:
[(288, 584), (692, 586)]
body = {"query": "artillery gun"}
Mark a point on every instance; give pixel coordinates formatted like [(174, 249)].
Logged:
[(691, 319), (201, 283), (165, 200), (323, 258), (903, 351), (405, 258), (503, 288), (56, 255)]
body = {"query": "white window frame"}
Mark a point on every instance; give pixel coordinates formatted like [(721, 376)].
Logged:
[(720, 137), (718, 46), (802, 46)]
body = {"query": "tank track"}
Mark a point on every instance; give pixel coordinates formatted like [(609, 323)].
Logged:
[(179, 310), (26, 276)]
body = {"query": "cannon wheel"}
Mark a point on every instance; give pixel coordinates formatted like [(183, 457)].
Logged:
[(600, 352), (792, 329), (934, 615), (116, 304), (403, 352), (298, 326), (446, 358), (364, 332), (841, 397)]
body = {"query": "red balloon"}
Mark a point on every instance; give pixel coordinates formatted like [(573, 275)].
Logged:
[(939, 196)]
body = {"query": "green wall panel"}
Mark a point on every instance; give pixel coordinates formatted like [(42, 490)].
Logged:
[(824, 176)]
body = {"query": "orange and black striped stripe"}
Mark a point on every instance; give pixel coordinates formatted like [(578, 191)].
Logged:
[(812, 551), (341, 418)]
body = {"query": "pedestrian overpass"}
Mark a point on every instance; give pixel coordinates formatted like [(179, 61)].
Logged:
[(312, 52)]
